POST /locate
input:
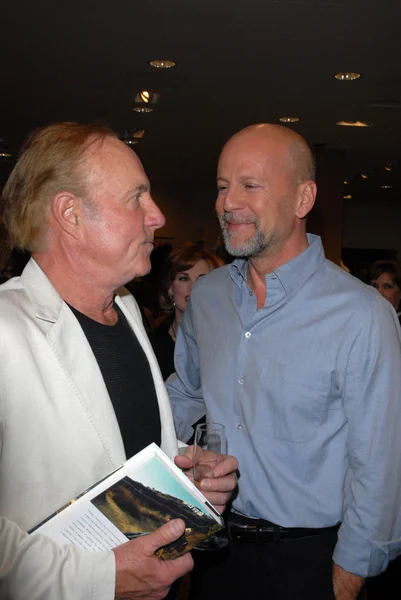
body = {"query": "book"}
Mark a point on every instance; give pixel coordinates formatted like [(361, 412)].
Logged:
[(144, 493)]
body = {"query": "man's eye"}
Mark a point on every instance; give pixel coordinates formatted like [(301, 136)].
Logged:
[(183, 278), (251, 186), (221, 188)]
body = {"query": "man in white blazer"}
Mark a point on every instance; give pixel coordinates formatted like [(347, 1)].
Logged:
[(79, 201)]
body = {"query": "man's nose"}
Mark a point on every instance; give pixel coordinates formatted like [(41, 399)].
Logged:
[(155, 217), (232, 200)]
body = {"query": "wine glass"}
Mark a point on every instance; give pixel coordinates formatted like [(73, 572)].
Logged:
[(209, 440)]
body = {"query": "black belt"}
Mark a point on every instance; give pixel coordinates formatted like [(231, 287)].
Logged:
[(259, 531)]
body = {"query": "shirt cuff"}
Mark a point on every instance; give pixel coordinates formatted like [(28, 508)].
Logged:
[(183, 430), (361, 556)]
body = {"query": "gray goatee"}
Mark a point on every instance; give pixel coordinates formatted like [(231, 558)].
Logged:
[(253, 246)]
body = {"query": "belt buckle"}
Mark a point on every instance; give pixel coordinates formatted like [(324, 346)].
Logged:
[(243, 533), (267, 534), (258, 533)]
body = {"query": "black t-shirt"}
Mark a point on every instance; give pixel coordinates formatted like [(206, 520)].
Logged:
[(163, 347), (128, 378)]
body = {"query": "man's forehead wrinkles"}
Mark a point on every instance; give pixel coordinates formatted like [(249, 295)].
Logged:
[(243, 167)]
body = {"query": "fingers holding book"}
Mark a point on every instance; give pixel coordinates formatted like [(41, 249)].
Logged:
[(139, 571)]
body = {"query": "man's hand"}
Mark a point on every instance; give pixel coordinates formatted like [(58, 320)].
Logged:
[(219, 488), (346, 585), (141, 574)]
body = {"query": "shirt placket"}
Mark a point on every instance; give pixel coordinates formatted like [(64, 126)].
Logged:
[(250, 318)]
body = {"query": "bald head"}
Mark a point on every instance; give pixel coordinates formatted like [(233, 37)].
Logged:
[(266, 188), (289, 150)]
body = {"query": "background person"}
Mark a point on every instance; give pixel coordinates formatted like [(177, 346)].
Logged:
[(183, 267), (385, 276), (301, 363), (80, 387)]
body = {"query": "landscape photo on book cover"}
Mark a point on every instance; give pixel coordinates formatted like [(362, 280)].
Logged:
[(136, 509)]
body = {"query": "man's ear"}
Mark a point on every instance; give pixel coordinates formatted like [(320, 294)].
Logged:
[(66, 211), (306, 198)]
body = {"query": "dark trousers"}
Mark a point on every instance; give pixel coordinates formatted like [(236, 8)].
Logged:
[(387, 585), (299, 569)]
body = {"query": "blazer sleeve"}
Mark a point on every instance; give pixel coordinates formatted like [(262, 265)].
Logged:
[(35, 567)]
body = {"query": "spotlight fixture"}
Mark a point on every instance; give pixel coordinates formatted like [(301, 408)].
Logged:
[(388, 167), (137, 134), (346, 182), (347, 76), (162, 64), (386, 187), (354, 124), (289, 119), (364, 175), (146, 97), (347, 197), (143, 109)]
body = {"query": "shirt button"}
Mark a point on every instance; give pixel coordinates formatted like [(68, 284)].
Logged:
[(248, 334), (239, 426), (241, 380), (250, 293)]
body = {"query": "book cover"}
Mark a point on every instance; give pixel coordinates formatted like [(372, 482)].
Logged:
[(143, 494)]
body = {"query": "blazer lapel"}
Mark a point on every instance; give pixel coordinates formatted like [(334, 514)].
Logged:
[(81, 369), (74, 355)]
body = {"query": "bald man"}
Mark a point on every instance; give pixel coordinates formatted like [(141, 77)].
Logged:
[(301, 362)]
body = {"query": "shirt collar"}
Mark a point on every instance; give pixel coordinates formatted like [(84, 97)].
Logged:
[(292, 274)]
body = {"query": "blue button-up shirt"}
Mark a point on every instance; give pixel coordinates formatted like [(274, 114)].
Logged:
[(309, 389)]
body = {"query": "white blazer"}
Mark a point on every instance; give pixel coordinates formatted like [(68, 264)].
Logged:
[(58, 435)]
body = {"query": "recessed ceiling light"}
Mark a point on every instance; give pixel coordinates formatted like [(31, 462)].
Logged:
[(386, 187), (143, 109), (289, 119), (347, 197), (364, 175), (347, 76), (354, 124), (388, 167), (132, 136), (162, 64), (345, 182), (4, 152), (385, 104)]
